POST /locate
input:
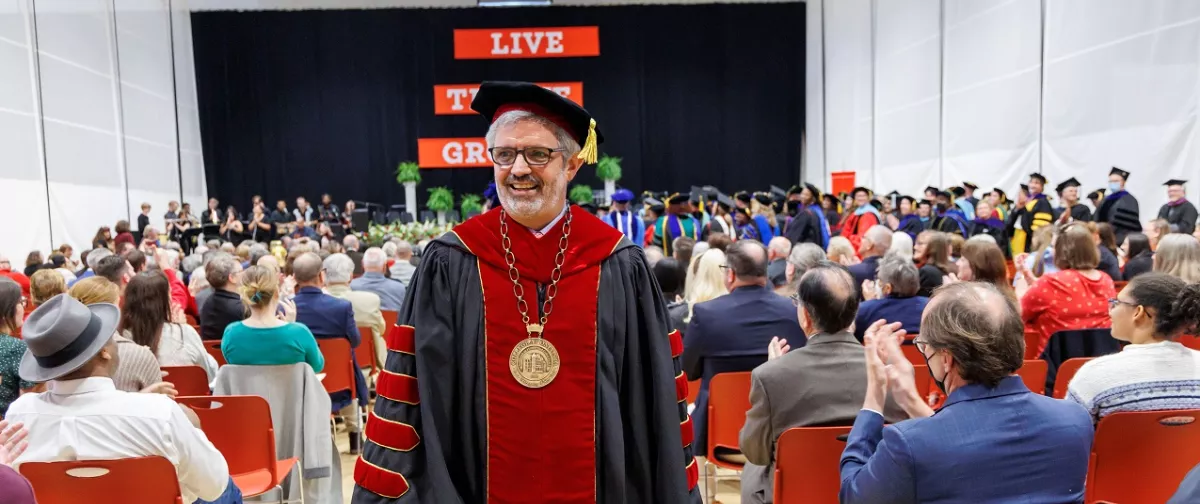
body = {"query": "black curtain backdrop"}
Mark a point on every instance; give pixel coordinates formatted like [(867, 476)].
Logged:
[(299, 103)]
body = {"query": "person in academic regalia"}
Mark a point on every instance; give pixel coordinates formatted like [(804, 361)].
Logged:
[(568, 389), (1072, 209), (862, 218), (1031, 215), (763, 217), (833, 213), (747, 229), (1179, 212), (652, 209), (988, 223), (1096, 197), (970, 189), (624, 219), (698, 201), (950, 218), (722, 220), (742, 199), (677, 222), (1120, 208), (910, 222), (925, 213), (808, 220), (959, 198), (999, 203)]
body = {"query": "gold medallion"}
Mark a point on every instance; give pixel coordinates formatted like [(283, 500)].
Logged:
[(534, 362)]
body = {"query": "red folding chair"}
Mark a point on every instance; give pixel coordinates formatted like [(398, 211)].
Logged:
[(339, 370), (806, 465), (1065, 372), (1189, 341), (188, 380), (151, 479), (389, 318), (693, 391), (1140, 457), (364, 355), (728, 402), (1033, 373), (241, 429), (213, 347), (1033, 338)]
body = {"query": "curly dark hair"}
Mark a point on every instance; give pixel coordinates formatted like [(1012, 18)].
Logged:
[(1175, 303)]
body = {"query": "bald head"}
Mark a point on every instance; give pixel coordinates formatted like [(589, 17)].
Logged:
[(779, 248), (876, 241), (307, 270), (748, 260), (829, 297)]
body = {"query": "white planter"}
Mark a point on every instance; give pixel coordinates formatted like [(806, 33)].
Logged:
[(441, 217), (410, 198), (610, 187)]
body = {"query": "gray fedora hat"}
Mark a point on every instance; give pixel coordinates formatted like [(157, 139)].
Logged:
[(63, 334)]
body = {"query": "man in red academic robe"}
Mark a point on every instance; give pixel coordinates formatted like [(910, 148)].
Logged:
[(532, 361), (864, 217)]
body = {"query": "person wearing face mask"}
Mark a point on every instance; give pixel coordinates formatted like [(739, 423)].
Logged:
[(972, 339), (950, 218), (1178, 212), (574, 358), (807, 224), (1120, 208), (1030, 215)]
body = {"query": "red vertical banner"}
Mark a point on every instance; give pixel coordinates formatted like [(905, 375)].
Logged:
[(841, 182), (510, 43)]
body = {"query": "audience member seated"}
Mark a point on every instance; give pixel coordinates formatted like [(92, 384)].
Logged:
[(983, 261), (902, 245), (1178, 255), (225, 306), (103, 239), (45, 284), (402, 269), (670, 276), (263, 339), (777, 253), (1138, 256), (84, 417), (739, 324), (719, 241), (14, 488), (1040, 262), (137, 367), (93, 258), (58, 263), (16, 276), (168, 263), (931, 253), (136, 259), (653, 255), (893, 297), (350, 247), (803, 257), (841, 251), (821, 384), (390, 291), (146, 318), (329, 317), (1076, 296), (123, 235), (33, 262), (705, 282), (115, 269), (12, 316), (339, 269), (1109, 264), (1152, 372), (875, 242), (971, 451)]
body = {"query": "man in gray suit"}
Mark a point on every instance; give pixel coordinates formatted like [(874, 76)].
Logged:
[(821, 384)]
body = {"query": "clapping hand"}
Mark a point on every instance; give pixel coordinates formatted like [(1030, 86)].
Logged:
[(877, 380), (289, 310), (777, 348), (12, 441), (949, 279), (901, 380), (868, 290)]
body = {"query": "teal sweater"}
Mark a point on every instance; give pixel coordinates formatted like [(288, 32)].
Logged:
[(277, 346)]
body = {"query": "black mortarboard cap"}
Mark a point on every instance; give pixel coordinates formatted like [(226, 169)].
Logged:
[(763, 198), (946, 194), (725, 201), (958, 192), (794, 190), (497, 97), (1175, 182), (1025, 187), (877, 204), (710, 191), (654, 204), (742, 196), (1117, 171), (1097, 194), (677, 199), (1003, 195), (970, 186), (1071, 182), (893, 195), (778, 191), (696, 194), (1038, 177)]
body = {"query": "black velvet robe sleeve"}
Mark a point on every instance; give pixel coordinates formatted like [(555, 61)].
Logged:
[(1125, 217), (1081, 213)]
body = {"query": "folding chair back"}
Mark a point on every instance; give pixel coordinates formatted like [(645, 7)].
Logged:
[(728, 402), (339, 371), (213, 347), (188, 380), (1033, 373), (240, 428), (1140, 457), (1065, 372), (806, 465), (364, 355), (151, 479)]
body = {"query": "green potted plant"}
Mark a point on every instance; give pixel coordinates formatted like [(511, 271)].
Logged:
[(408, 174), (441, 200), (608, 169), (580, 194), (471, 203)]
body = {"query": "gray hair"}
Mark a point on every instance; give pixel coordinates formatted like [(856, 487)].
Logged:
[(389, 249), (902, 245), (984, 238), (228, 248), (219, 267), (96, 255), (374, 259), (173, 246), (190, 263), (350, 242), (881, 238), (780, 246), (900, 273), (565, 140), (339, 268), (403, 248), (653, 255), (257, 251)]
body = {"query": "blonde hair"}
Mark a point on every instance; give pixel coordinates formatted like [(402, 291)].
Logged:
[(260, 285), (839, 247), (1043, 239), (45, 284), (757, 208), (92, 290), (242, 251), (705, 279), (1178, 255)]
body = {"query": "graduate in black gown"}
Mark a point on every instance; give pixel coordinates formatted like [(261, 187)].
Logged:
[(950, 218), (570, 389), (807, 224), (970, 189), (1035, 213), (1096, 197), (1071, 209), (910, 222), (1120, 208), (1179, 212), (988, 222)]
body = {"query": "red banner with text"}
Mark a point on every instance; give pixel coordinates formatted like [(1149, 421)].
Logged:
[(455, 99), (509, 43), (453, 153)]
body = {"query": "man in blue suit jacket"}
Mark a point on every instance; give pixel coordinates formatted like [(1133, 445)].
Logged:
[(329, 317), (731, 333), (875, 243), (992, 441)]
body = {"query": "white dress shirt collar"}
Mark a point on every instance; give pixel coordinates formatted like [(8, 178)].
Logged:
[(541, 232)]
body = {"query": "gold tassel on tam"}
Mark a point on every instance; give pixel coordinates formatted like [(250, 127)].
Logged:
[(589, 152)]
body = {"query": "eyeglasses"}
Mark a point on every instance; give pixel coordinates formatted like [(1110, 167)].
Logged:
[(795, 299), (921, 345), (534, 156), (1112, 303)]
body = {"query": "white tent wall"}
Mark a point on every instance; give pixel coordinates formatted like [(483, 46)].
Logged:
[(988, 92), (89, 125)]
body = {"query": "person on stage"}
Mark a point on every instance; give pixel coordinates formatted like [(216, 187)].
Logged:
[(807, 224), (910, 222), (1120, 208), (623, 219), (570, 389), (833, 213), (999, 202), (862, 217), (959, 197), (1096, 197), (1031, 214), (986, 222), (1071, 209), (722, 220), (677, 222), (327, 211), (950, 217), (763, 217), (1179, 212), (970, 189)]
